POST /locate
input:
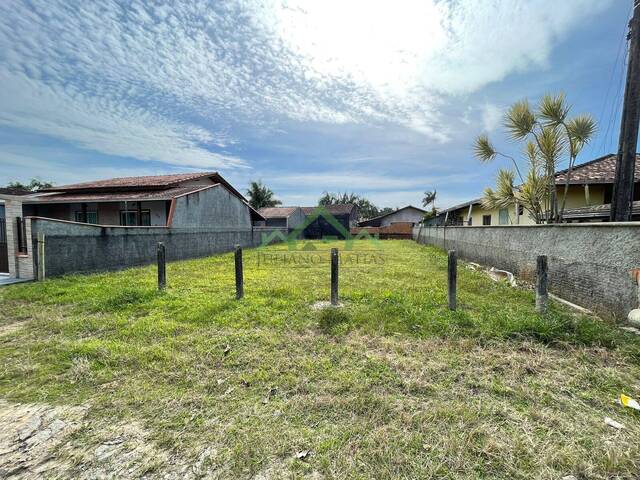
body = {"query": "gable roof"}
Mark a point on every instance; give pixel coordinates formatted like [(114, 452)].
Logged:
[(380, 217), (118, 196), (599, 170), (150, 182), (15, 191), (277, 212), (129, 183), (339, 209)]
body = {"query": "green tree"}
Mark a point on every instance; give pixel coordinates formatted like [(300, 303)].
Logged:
[(260, 196), (34, 185), (550, 137)]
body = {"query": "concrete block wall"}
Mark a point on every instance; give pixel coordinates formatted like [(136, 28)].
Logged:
[(71, 247), (589, 263), (20, 265)]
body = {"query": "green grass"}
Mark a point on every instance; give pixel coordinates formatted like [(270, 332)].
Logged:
[(391, 385)]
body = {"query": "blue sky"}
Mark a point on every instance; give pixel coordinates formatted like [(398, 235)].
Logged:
[(379, 98)]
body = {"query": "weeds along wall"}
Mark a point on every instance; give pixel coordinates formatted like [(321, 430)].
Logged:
[(71, 247), (590, 264)]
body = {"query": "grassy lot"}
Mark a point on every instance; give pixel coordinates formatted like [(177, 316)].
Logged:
[(392, 385)]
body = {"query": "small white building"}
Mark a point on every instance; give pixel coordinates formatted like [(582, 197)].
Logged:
[(408, 214)]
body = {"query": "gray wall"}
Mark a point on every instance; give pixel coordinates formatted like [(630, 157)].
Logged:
[(72, 247), (589, 263), (298, 217), (213, 207), (412, 215)]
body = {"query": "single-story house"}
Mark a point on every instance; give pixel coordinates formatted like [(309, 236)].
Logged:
[(187, 202), (283, 217), (408, 214), (178, 200), (344, 216), (588, 199)]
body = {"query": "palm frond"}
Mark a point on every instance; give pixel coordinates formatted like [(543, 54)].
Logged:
[(519, 120), (581, 129), (553, 109), (483, 149), (551, 145)]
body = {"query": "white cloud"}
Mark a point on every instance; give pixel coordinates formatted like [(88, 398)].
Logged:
[(491, 117), (171, 81)]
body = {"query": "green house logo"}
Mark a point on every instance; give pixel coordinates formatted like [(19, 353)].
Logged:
[(293, 238)]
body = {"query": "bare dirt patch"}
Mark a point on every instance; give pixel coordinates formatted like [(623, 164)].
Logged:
[(44, 441)]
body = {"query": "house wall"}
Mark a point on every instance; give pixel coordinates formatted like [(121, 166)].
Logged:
[(108, 212), (20, 264), (213, 207), (296, 218), (575, 198), (411, 215), (71, 247), (276, 222), (583, 266)]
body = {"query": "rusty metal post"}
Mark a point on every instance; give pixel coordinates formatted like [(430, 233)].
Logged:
[(239, 275), (452, 279), (334, 276), (162, 267), (542, 284)]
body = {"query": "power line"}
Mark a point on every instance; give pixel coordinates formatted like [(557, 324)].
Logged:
[(622, 42)]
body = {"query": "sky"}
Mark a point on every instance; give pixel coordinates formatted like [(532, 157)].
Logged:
[(379, 98)]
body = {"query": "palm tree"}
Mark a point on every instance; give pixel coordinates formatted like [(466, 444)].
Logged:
[(429, 198), (550, 135), (261, 196)]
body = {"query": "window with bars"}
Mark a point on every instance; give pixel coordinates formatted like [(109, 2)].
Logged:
[(92, 217), (130, 217)]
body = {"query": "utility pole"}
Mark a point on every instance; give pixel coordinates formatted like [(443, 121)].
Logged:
[(622, 198)]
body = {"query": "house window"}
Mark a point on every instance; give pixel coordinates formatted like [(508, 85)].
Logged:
[(486, 219), (130, 217), (92, 217), (470, 222), (503, 216)]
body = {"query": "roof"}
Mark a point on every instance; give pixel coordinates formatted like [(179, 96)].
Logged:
[(339, 209), (595, 211), (599, 170), (460, 205), (120, 196), (15, 191), (380, 217), (277, 212), (119, 183)]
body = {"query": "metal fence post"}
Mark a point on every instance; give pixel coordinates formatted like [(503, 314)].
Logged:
[(239, 276), (452, 278), (542, 283), (162, 267), (334, 276)]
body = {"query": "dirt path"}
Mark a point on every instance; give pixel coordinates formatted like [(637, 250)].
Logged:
[(44, 441)]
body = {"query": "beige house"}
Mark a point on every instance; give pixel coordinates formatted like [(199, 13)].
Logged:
[(588, 199)]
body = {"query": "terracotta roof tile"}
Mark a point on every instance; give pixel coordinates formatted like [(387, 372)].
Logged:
[(600, 170), (131, 196), (152, 181)]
